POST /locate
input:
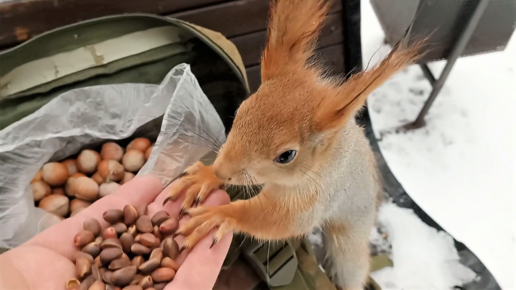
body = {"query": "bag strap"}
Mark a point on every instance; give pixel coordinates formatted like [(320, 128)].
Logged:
[(275, 262), (308, 275), (249, 271)]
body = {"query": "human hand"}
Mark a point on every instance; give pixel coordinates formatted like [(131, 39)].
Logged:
[(44, 262)]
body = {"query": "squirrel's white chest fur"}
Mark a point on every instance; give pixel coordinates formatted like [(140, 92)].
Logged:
[(347, 182)]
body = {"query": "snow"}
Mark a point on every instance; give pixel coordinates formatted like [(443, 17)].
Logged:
[(423, 257), (459, 169)]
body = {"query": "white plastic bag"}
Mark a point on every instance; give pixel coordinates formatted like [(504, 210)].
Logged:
[(86, 117)]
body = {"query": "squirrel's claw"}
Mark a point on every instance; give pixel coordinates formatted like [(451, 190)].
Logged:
[(167, 200), (204, 220), (200, 181), (215, 241)]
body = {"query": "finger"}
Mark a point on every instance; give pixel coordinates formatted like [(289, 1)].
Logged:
[(59, 238), (172, 207), (217, 197), (200, 267)]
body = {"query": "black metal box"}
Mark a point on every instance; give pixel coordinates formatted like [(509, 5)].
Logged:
[(443, 22)]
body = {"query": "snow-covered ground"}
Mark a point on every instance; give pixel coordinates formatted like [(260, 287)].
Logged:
[(460, 168), (423, 258)]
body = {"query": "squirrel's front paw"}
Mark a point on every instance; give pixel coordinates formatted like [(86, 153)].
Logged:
[(201, 181), (203, 220)]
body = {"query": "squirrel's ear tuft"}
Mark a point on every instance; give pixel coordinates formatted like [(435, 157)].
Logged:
[(292, 34), (335, 110)]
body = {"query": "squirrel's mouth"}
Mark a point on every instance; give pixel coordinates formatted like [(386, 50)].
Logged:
[(245, 178)]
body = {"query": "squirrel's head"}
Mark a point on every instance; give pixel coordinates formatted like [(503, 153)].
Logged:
[(282, 132)]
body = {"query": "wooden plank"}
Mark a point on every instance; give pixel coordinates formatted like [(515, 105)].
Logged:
[(332, 57), (22, 19), (251, 45), (236, 18)]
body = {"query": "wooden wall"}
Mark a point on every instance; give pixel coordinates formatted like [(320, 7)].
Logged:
[(244, 22)]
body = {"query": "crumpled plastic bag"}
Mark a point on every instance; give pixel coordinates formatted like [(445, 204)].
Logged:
[(87, 117)]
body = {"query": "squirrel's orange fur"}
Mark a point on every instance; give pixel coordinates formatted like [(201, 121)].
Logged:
[(331, 182)]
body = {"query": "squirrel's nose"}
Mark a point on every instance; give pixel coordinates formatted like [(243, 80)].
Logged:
[(222, 175), (222, 171)]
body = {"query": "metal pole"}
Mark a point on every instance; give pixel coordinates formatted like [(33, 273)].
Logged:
[(457, 50), (428, 74)]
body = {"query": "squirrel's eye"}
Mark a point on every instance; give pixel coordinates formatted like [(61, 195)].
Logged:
[(286, 156)]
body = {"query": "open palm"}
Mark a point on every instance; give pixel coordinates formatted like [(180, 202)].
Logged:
[(44, 262)]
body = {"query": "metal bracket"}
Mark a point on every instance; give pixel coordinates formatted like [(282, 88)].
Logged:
[(275, 262), (456, 52)]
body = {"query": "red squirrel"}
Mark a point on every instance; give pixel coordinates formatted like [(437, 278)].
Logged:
[(296, 136)]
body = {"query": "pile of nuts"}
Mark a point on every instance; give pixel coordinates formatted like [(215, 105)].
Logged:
[(136, 252), (67, 187)]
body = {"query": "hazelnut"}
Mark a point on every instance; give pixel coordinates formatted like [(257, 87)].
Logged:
[(111, 151), (84, 188), (55, 174), (141, 144), (108, 188), (77, 175), (127, 176), (70, 165), (111, 170), (133, 160), (38, 176), (148, 152), (55, 203), (88, 161), (40, 190), (58, 190), (97, 178), (78, 203)]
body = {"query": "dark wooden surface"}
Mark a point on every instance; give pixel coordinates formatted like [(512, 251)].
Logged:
[(21, 20), (235, 18), (331, 56), (251, 45), (244, 22)]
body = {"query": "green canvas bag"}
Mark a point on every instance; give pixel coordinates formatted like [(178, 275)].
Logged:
[(141, 48)]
